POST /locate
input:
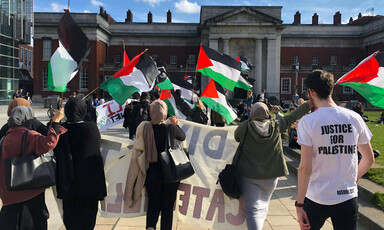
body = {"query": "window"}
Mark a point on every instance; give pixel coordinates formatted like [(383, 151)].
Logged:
[(352, 60), (285, 85), (315, 60), (191, 59), (84, 79), (22, 54), (47, 49), (29, 60), (303, 86), (117, 58), (25, 57), (333, 60), (296, 60), (347, 90), (173, 59), (45, 79)]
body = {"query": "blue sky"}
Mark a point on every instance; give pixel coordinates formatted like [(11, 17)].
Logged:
[(189, 10)]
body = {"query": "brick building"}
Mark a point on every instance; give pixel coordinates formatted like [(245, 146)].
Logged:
[(279, 51)]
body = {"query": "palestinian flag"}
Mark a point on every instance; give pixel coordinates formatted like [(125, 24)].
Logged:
[(164, 82), (188, 78), (185, 87), (73, 49), (168, 97), (214, 97), (137, 76), (246, 66), (220, 67), (367, 78)]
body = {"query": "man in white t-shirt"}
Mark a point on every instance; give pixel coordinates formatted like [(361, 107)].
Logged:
[(329, 168)]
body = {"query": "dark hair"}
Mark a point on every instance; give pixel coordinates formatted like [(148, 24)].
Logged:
[(321, 82), (144, 97)]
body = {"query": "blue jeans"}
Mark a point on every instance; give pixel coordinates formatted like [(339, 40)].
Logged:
[(256, 195)]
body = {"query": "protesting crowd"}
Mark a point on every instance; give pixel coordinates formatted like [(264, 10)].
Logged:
[(328, 135), (66, 153)]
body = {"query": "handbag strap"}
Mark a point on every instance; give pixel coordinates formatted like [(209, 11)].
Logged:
[(168, 145), (236, 161)]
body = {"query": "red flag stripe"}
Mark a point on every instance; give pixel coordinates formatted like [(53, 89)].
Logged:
[(364, 72), (210, 90), (203, 61), (127, 69), (126, 59), (165, 93)]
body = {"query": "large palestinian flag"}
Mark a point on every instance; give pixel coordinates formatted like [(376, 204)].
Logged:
[(214, 97), (220, 67), (73, 49), (367, 78), (137, 76)]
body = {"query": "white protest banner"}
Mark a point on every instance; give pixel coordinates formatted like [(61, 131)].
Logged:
[(200, 201), (110, 114)]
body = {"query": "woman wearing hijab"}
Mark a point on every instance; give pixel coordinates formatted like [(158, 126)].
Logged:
[(262, 160), (32, 124), (81, 179), (161, 196), (34, 200)]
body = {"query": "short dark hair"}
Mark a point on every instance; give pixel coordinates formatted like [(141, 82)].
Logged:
[(321, 82), (144, 97)]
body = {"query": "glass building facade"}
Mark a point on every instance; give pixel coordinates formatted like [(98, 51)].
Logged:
[(15, 28)]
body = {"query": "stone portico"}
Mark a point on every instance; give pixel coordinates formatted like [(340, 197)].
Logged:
[(249, 32)]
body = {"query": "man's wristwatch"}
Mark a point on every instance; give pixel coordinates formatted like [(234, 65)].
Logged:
[(300, 205)]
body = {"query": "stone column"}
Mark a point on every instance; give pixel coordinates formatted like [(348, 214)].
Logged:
[(272, 75), (226, 46), (214, 44), (258, 66)]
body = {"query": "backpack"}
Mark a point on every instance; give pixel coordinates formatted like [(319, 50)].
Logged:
[(142, 114)]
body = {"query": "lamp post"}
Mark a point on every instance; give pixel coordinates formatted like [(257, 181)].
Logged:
[(295, 97)]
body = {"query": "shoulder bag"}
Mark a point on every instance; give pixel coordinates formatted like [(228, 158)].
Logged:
[(230, 178), (29, 171), (175, 163)]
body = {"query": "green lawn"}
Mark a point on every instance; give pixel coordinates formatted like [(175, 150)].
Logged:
[(377, 130)]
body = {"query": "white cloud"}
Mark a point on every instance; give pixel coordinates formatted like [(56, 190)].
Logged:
[(56, 7), (246, 3), (153, 3), (187, 7), (86, 11), (96, 3)]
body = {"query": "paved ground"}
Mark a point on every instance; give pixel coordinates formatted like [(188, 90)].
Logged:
[(281, 215)]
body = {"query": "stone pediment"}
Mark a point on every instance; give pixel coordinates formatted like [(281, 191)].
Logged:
[(243, 15)]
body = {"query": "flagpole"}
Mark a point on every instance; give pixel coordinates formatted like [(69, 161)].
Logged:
[(90, 92), (186, 67), (68, 4)]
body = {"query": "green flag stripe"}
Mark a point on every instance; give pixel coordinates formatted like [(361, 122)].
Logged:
[(243, 85), (219, 108), (51, 87), (171, 111), (219, 78), (118, 90), (373, 94), (166, 84)]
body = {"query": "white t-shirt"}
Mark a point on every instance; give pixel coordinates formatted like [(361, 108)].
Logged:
[(333, 133)]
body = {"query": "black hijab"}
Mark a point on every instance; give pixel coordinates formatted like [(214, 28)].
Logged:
[(75, 110)]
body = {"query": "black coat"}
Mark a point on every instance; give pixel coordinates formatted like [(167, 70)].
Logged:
[(79, 148)]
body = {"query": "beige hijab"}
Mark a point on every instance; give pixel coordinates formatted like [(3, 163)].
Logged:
[(158, 112), (261, 118)]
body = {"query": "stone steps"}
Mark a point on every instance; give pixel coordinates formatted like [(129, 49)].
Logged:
[(369, 215)]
